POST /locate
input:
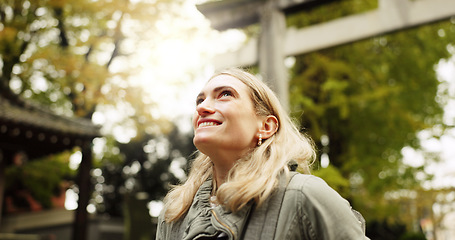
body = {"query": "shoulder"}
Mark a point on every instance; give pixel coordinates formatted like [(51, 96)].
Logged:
[(299, 180), (310, 193), (324, 213), (313, 191), (309, 185)]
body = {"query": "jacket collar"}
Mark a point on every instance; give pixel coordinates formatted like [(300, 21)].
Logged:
[(203, 222)]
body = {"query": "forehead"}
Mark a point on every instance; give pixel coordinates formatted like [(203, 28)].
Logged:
[(225, 81)]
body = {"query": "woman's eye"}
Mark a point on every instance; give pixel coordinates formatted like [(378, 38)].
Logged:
[(226, 94), (199, 101)]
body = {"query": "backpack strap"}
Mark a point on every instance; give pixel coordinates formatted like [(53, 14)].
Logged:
[(262, 222)]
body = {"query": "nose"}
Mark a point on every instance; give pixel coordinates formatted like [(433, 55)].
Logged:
[(205, 107)]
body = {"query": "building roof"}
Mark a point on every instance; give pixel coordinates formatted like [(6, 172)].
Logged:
[(33, 115), (37, 131)]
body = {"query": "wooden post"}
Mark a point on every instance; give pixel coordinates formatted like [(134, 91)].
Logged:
[(80, 225), (2, 183), (271, 50)]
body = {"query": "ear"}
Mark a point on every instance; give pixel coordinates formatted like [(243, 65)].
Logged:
[(269, 126)]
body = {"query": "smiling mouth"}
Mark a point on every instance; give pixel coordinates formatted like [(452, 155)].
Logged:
[(205, 124)]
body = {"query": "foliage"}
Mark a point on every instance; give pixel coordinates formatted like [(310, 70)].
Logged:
[(333, 177), (383, 230), (40, 184), (63, 53), (370, 99), (74, 57), (330, 11), (319, 12), (148, 168), (137, 219), (136, 173)]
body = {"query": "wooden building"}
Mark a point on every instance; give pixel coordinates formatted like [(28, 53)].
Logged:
[(31, 131)]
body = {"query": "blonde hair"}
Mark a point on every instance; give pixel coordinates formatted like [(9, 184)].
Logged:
[(255, 176)]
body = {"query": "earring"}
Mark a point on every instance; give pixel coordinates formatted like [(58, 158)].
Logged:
[(260, 140)]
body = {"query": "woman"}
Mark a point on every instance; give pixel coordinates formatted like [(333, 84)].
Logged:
[(240, 185)]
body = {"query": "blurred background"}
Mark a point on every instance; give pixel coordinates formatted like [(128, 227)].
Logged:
[(96, 100)]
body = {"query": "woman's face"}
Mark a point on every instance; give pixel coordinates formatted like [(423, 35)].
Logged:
[(225, 118)]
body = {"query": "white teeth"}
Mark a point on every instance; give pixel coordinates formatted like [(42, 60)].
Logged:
[(207, 124)]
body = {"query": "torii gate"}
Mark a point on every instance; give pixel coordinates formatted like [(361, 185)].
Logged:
[(275, 41)]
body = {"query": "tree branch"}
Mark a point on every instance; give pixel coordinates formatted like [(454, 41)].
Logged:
[(63, 38)]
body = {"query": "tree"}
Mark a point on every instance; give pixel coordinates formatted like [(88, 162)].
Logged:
[(75, 58), (63, 53), (148, 165), (369, 99), (23, 181)]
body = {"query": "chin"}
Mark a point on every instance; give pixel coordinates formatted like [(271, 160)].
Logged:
[(202, 144), (199, 141)]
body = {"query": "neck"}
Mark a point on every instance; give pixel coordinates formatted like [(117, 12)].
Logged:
[(223, 161), (220, 171)]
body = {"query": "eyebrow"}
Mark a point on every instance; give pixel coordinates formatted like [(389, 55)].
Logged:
[(217, 89)]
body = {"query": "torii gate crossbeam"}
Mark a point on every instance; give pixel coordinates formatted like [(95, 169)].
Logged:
[(392, 15), (277, 41)]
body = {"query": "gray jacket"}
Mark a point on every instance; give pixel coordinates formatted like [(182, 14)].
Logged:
[(306, 208)]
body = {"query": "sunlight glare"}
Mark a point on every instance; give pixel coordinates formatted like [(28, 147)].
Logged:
[(98, 118), (443, 169), (75, 160), (71, 199), (91, 208), (155, 208), (325, 161)]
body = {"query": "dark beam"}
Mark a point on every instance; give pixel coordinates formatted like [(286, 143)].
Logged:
[(231, 14), (2, 183), (36, 142), (241, 13), (306, 5), (83, 181)]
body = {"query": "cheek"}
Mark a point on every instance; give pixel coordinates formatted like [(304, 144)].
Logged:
[(247, 123), (194, 120)]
